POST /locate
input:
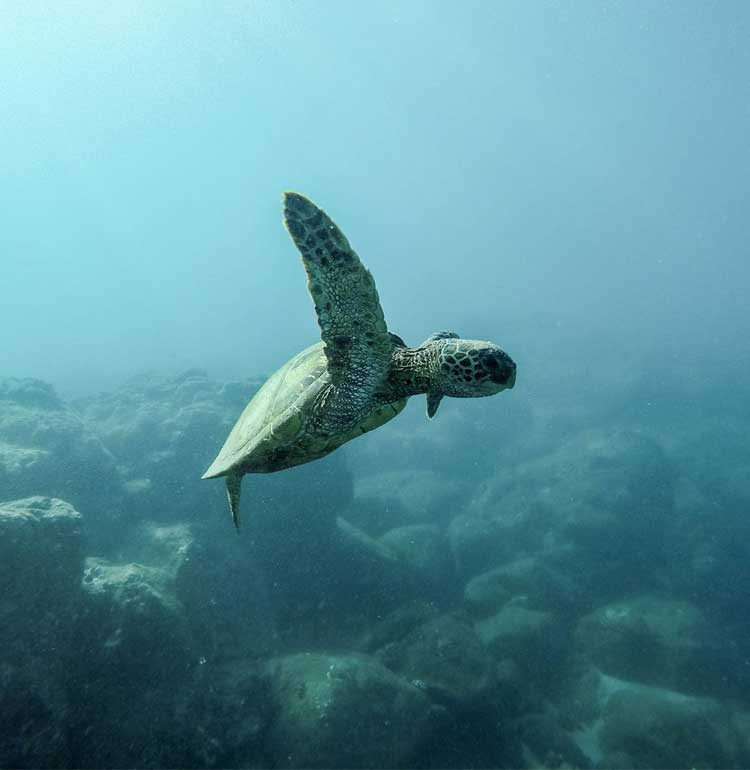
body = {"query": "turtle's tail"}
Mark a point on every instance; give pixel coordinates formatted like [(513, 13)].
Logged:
[(234, 488)]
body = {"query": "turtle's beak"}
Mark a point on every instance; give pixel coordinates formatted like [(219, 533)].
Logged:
[(503, 371)]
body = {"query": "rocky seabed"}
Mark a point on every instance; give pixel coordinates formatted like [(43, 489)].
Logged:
[(451, 595)]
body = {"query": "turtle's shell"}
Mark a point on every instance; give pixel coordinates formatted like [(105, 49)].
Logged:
[(275, 431)]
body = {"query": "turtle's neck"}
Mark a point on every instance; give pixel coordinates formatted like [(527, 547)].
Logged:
[(413, 371)]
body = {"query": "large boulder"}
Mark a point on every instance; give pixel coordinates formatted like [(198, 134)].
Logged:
[(40, 572), (400, 497), (341, 711), (622, 472), (657, 728), (661, 641), (709, 547), (326, 583), (225, 594), (712, 453), (528, 579), (224, 714), (484, 595), (34, 717), (215, 577), (133, 654), (445, 657), (537, 641), (547, 744), (598, 508), (131, 619), (623, 724), (478, 544), (46, 448), (424, 551), (442, 655)]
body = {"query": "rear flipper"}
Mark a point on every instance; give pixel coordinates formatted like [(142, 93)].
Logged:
[(234, 488)]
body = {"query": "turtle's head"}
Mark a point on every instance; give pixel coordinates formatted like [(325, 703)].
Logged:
[(472, 368)]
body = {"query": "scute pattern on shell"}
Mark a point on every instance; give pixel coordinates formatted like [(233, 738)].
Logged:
[(277, 415)]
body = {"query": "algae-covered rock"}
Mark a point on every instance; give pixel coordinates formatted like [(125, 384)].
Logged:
[(224, 715), (547, 744), (423, 495), (514, 629), (709, 547), (423, 549), (484, 595), (440, 654), (394, 626), (46, 448), (226, 597), (40, 573), (657, 728), (598, 508), (477, 544), (328, 584), (216, 579), (529, 579), (34, 712), (661, 641), (29, 392), (536, 640), (446, 658), (621, 472), (131, 620), (344, 711), (133, 655), (621, 723)]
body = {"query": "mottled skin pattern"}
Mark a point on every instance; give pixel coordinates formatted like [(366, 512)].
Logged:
[(358, 378), (446, 365), (352, 327)]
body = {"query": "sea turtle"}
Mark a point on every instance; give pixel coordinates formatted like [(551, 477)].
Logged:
[(357, 378)]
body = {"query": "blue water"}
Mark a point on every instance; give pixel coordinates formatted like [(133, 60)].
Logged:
[(553, 576)]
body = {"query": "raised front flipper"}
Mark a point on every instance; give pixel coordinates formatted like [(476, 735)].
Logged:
[(357, 344)]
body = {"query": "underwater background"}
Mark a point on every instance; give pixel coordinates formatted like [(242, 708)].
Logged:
[(556, 577)]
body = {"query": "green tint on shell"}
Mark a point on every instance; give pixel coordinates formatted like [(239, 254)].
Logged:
[(277, 428)]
